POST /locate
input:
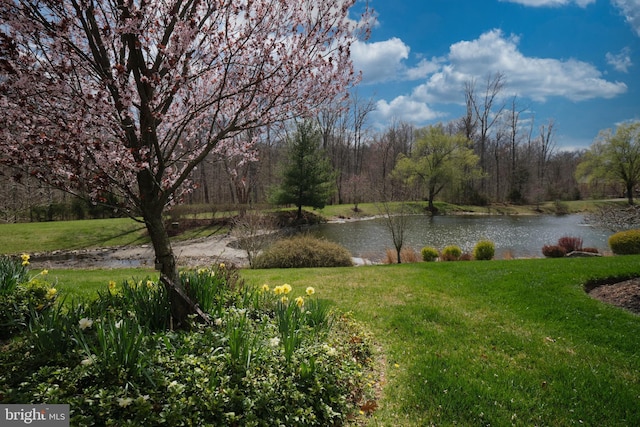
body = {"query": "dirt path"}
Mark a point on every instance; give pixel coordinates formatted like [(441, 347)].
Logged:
[(193, 253)]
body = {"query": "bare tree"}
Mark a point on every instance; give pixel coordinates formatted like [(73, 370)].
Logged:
[(485, 110), (255, 231)]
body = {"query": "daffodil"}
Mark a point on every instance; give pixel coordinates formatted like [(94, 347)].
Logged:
[(51, 293), (300, 302), (278, 290), (286, 288), (222, 266), (274, 342), (85, 323), (284, 299), (25, 259), (88, 361), (310, 291), (265, 288), (44, 272)]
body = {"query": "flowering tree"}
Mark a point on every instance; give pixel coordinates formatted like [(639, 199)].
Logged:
[(127, 97)]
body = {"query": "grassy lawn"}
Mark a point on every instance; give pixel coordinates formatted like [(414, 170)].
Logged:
[(492, 343), (48, 236), (513, 342)]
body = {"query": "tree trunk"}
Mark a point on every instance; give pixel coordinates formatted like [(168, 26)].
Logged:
[(180, 304), (630, 194), (165, 261)]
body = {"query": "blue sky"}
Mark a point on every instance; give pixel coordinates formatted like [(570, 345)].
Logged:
[(576, 62)]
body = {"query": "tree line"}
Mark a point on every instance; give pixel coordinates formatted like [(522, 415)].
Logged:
[(495, 153)]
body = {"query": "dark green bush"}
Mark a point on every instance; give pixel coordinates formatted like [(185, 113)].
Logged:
[(429, 253), (625, 242), (484, 250), (303, 252), (451, 253), (553, 251)]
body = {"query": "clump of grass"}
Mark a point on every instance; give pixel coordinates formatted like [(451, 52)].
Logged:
[(406, 255), (303, 252)]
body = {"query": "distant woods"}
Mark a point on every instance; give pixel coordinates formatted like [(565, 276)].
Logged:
[(510, 156)]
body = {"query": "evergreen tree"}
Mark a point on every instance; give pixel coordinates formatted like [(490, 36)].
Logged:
[(307, 177)]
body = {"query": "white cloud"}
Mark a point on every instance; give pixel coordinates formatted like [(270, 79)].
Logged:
[(620, 61), (379, 61), (405, 108), (528, 77), (631, 11), (551, 3), (532, 77)]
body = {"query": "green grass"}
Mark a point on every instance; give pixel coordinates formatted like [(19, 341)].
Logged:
[(500, 343), (514, 342), (36, 237), (48, 236), (75, 284)]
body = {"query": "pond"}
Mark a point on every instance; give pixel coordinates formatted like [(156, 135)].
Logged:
[(514, 236)]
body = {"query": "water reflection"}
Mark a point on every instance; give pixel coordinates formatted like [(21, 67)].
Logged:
[(514, 236)]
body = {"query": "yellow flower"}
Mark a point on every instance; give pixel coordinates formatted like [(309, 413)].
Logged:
[(25, 259), (51, 293), (284, 300), (278, 290), (286, 288), (265, 288), (44, 272), (112, 284), (222, 266), (149, 284), (310, 291), (300, 302)]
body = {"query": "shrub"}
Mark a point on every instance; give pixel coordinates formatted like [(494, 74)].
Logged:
[(484, 250), (303, 252), (553, 251), (270, 359), (625, 242), (451, 253), (12, 273), (20, 297), (570, 244), (429, 254)]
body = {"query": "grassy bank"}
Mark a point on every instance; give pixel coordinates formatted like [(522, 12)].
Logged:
[(479, 343)]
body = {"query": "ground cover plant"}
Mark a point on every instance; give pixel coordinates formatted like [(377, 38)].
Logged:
[(505, 342), (268, 356)]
